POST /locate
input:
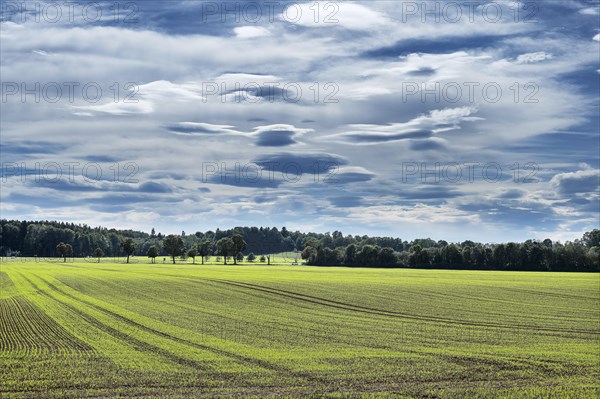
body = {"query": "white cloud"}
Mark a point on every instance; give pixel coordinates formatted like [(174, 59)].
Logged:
[(201, 128), (416, 214), (276, 135), (116, 108), (580, 182), (282, 128), (421, 127), (348, 15), (144, 99), (589, 11), (250, 32), (141, 217), (533, 57)]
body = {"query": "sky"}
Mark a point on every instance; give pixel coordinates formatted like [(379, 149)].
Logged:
[(452, 120)]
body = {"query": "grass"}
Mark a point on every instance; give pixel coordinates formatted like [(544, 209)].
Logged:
[(86, 329)]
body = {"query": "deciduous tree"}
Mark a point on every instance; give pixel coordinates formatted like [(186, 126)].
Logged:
[(239, 246), (64, 250), (192, 253), (128, 245), (98, 253), (153, 252), (205, 249), (173, 245), (226, 247)]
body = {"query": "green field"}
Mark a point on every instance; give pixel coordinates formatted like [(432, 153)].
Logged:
[(83, 329)]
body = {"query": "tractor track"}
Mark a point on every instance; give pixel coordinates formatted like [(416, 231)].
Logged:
[(380, 312), (119, 334), (163, 352)]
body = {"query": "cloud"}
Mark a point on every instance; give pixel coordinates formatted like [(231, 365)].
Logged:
[(372, 136), (533, 57), (346, 15), (417, 214), (35, 200), (346, 201), (422, 71), (63, 185), (589, 11), (430, 144), (250, 32), (259, 180), (253, 92), (153, 187), (253, 88), (140, 217), (75, 183), (300, 163), (144, 99), (101, 158), (580, 182), (430, 193), (511, 194), (29, 147), (421, 127), (405, 47), (597, 37), (278, 135), (347, 175), (523, 216), (243, 79), (127, 199), (116, 108), (200, 128)]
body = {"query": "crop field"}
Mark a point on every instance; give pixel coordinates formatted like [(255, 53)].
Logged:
[(86, 329)]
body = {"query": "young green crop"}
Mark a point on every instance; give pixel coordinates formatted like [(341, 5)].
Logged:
[(80, 329)]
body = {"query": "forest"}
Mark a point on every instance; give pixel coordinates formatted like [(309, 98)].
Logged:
[(43, 238)]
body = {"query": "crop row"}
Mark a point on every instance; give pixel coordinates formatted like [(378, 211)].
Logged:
[(27, 329)]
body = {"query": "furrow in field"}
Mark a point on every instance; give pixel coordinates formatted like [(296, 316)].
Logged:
[(245, 359), (554, 294), (256, 323), (29, 329), (119, 334), (482, 298), (216, 313), (381, 312), (142, 293)]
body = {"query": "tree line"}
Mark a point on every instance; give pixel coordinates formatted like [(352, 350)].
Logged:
[(578, 255), (48, 238)]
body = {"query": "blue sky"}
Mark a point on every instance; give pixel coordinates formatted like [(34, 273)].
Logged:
[(450, 120)]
